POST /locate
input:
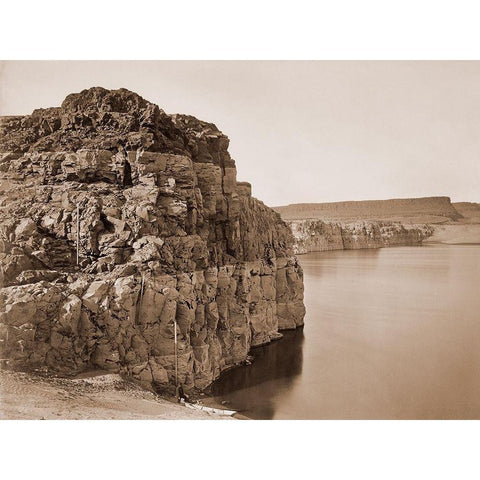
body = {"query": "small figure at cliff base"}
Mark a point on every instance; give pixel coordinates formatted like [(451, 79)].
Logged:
[(182, 397)]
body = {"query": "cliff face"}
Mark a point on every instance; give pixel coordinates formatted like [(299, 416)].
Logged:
[(318, 236), (166, 234)]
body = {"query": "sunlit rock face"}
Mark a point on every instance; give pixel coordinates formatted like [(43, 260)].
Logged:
[(166, 234), (319, 236)]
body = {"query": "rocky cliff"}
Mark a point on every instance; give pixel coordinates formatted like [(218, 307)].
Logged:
[(318, 236), (166, 234)]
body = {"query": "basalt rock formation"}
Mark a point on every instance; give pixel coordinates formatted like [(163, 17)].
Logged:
[(166, 235), (318, 236), (365, 224)]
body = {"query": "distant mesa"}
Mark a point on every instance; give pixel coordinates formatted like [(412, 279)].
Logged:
[(381, 223), (405, 210), (470, 211)]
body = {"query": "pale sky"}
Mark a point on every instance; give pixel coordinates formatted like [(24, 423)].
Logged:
[(303, 131)]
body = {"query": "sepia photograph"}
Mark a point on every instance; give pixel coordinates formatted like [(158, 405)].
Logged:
[(262, 216), (256, 240)]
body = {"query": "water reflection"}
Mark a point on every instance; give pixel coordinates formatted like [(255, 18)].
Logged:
[(254, 390), (389, 334)]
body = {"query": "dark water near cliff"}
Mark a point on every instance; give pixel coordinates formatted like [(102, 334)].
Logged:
[(390, 333)]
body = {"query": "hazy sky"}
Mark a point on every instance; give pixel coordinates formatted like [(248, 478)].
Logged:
[(303, 131)]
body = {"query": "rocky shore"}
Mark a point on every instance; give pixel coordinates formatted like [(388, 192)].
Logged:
[(166, 236)]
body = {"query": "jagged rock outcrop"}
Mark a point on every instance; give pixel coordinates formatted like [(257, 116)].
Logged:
[(166, 234), (318, 236)]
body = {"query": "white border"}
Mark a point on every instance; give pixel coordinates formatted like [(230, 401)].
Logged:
[(251, 29), (362, 29), (239, 450)]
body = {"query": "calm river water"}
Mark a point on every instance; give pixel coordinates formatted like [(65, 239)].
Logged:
[(392, 333)]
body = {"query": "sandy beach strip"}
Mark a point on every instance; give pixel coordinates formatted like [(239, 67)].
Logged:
[(25, 396)]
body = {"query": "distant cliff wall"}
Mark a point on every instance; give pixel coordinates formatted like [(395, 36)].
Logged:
[(318, 236), (405, 210), (470, 211)]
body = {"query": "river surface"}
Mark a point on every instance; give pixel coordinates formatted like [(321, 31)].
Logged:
[(391, 333)]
